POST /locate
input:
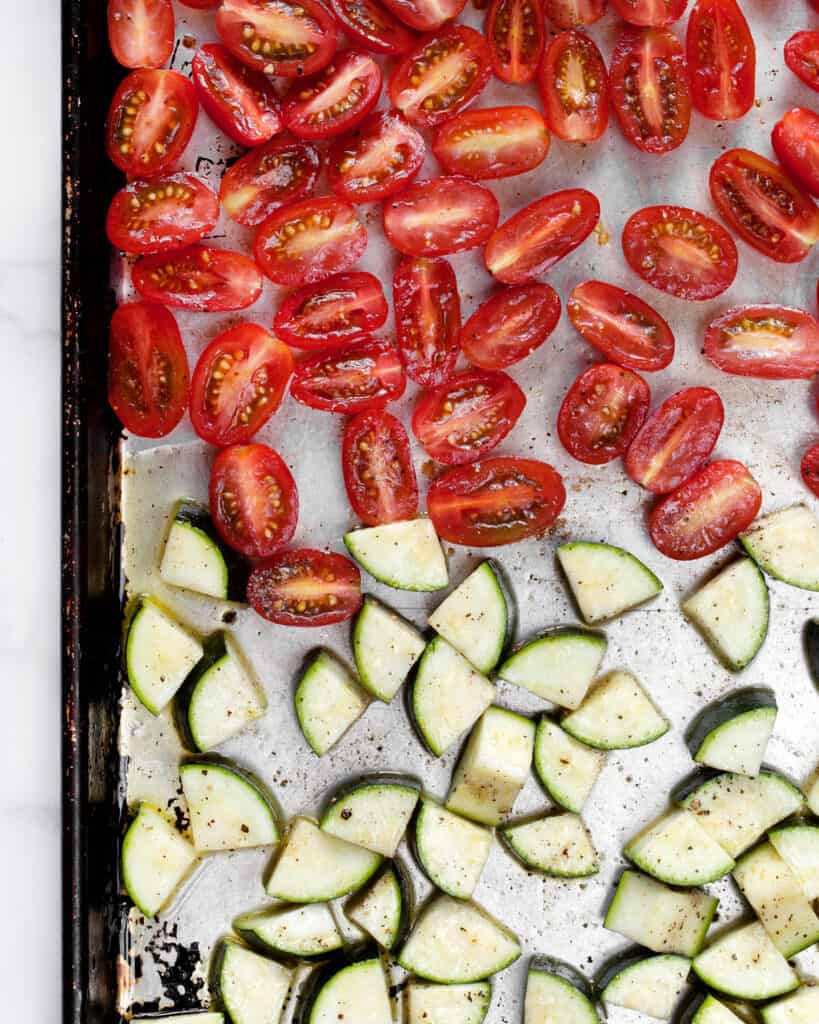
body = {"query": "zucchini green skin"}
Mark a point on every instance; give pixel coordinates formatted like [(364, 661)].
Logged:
[(620, 962), (694, 1011), (810, 642), (191, 513), (405, 888), (726, 709), (561, 969), (322, 974), (576, 995), (215, 650)]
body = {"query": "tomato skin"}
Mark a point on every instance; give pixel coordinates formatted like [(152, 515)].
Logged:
[(371, 25), (802, 57), (795, 141), (721, 60), (270, 176), (440, 216), (352, 80), (148, 377), (602, 412), (241, 27), (707, 512), (810, 469), (676, 440), (510, 325), (201, 278), (570, 13), (425, 15), (650, 13), (379, 159), (427, 319), (498, 501), (355, 379), (339, 310), (624, 328), (494, 142), (305, 587), (140, 32), (165, 213), (516, 35), (378, 472), (239, 101), (574, 88), (517, 252), (733, 343)]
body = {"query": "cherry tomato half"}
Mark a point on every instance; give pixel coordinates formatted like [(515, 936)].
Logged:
[(148, 378), (371, 25), (602, 412), (377, 160), (495, 142), (795, 141), (773, 342), (356, 379), (425, 15), (721, 60), (165, 213), (140, 32), (427, 319), (253, 499), (305, 587), (440, 216), (802, 57), (516, 35), (570, 13), (510, 325), (336, 99), (239, 101), (810, 469), (199, 278), (291, 38), (281, 171), (650, 13), (574, 88), (378, 471), (342, 309)]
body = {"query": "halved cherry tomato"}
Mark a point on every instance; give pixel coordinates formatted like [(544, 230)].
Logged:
[(240, 101), (802, 57), (199, 278), (707, 512), (427, 319), (441, 76), (377, 160), (624, 328), (253, 499), (167, 212), (150, 121), (569, 13), (281, 171), (516, 35), (440, 216), (425, 15), (763, 206), (140, 32), (341, 309), (773, 342), (378, 471), (148, 379), (291, 38), (238, 384), (336, 99), (676, 440), (602, 412), (796, 143), (309, 241), (721, 60), (355, 379), (680, 252), (574, 88), (649, 89), (468, 416), (498, 501), (810, 469), (495, 142), (650, 13), (510, 325), (541, 234), (305, 587), (371, 25)]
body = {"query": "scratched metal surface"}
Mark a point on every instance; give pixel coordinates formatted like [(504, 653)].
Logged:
[(767, 425)]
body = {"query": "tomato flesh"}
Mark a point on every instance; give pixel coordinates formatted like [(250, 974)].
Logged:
[(378, 471), (440, 216), (305, 587), (341, 309), (427, 319), (810, 469), (574, 88), (570, 13), (336, 99), (796, 143), (516, 37), (282, 171), (495, 142), (239, 101), (290, 38), (372, 26), (602, 412), (802, 57), (721, 60), (141, 32), (510, 325), (165, 213), (772, 342), (676, 440), (425, 15), (650, 13), (355, 379), (199, 278), (379, 159)]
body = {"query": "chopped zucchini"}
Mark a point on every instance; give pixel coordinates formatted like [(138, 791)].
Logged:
[(785, 545), (447, 1004), (475, 617), (676, 849), (155, 860), (303, 932), (195, 558), (228, 809), (385, 647), (556, 993), (800, 1008), (810, 642), (373, 813), (813, 796), (451, 850), (558, 666), (191, 1017), (405, 555), (253, 988), (567, 769), (383, 909), (159, 654), (732, 734), (708, 1010), (798, 846), (745, 964), (652, 985), (558, 845), (329, 701), (606, 581), (356, 992), (616, 714)]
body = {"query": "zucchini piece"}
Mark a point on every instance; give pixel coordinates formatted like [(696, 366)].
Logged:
[(732, 734), (557, 844), (493, 767), (303, 932), (383, 909), (785, 545), (373, 813), (652, 985), (708, 1010), (745, 964), (556, 993), (798, 846), (228, 809), (800, 1008), (566, 768), (475, 617), (558, 666), (813, 796), (253, 988), (356, 992), (457, 942), (661, 919), (616, 714), (451, 850), (405, 555), (676, 849), (191, 1017), (447, 1004), (159, 654), (328, 701), (606, 581), (312, 866), (155, 860), (731, 613), (448, 696), (195, 557), (385, 647)]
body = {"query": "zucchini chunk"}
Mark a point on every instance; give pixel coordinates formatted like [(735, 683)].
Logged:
[(709, 1010), (732, 734), (383, 909), (356, 992), (191, 1017), (606, 581), (556, 992), (661, 919), (558, 666), (676, 849), (228, 809), (373, 813), (616, 714), (451, 850), (447, 1004), (652, 985), (448, 696), (405, 555), (566, 768), (195, 557), (810, 642), (557, 844), (813, 796), (302, 932), (155, 860), (475, 617), (385, 647), (159, 655), (457, 942), (785, 545), (798, 846), (493, 767), (328, 701), (731, 612), (253, 988), (745, 964), (800, 1008)]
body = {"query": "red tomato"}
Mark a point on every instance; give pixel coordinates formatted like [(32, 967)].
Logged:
[(150, 121), (707, 512), (497, 501), (344, 308), (763, 206), (802, 57), (721, 60), (676, 440), (510, 325), (290, 38), (371, 25), (309, 241), (253, 499), (649, 89), (496, 142), (810, 469), (140, 32), (352, 380), (569, 13), (774, 342), (241, 102), (282, 171), (380, 158), (148, 378), (540, 235), (427, 319), (378, 471), (168, 212), (199, 278), (516, 35), (624, 328), (425, 15), (305, 587), (650, 13), (602, 412), (467, 417), (336, 99), (441, 76), (238, 384), (796, 143), (440, 216), (680, 252), (574, 88)]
